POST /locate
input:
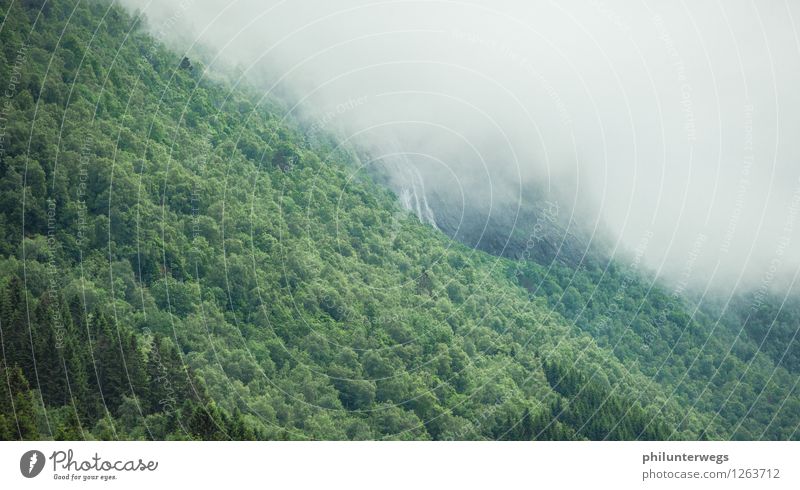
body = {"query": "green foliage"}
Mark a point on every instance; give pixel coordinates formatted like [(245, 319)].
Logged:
[(187, 265), (738, 362)]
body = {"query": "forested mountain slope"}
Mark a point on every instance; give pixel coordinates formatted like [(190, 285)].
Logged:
[(178, 262)]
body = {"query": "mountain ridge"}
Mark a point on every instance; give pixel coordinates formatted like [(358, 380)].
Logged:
[(204, 272)]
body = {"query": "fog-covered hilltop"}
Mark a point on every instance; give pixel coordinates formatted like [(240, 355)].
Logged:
[(180, 262)]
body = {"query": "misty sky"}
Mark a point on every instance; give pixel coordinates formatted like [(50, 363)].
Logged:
[(675, 125)]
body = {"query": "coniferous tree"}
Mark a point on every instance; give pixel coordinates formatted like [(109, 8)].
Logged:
[(17, 406)]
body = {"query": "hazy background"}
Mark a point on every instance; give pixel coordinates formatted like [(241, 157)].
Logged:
[(674, 125)]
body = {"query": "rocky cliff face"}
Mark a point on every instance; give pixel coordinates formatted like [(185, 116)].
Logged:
[(534, 228)]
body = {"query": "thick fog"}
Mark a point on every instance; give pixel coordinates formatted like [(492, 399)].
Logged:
[(674, 125)]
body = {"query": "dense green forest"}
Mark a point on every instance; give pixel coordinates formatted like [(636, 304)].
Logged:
[(178, 261)]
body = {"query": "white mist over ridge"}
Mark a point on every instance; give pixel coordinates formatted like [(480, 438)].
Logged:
[(675, 126)]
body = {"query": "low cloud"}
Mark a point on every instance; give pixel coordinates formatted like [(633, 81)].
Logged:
[(671, 122)]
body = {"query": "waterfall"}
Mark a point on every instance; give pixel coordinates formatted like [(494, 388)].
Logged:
[(412, 195), (408, 180)]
